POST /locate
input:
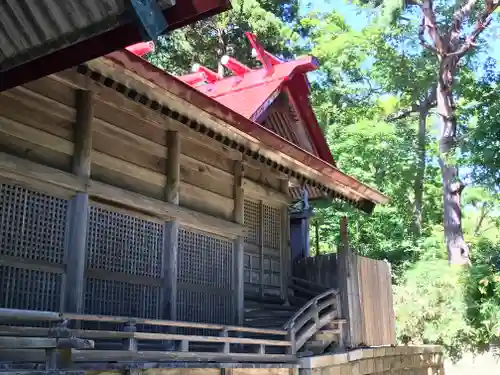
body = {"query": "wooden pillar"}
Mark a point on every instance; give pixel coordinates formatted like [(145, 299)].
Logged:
[(79, 205), (286, 258), (261, 235), (171, 228), (238, 217)]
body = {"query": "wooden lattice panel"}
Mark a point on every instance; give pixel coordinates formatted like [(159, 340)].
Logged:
[(124, 243), (205, 307), (32, 225), (272, 227), (112, 297), (32, 235), (205, 260), (205, 278), (29, 289), (251, 219)]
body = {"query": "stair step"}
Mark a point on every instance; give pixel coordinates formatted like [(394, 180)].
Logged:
[(317, 346), (249, 305), (268, 315), (329, 332)]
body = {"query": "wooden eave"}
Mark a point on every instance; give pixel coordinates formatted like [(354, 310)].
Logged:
[(162, 92), (42, 38)]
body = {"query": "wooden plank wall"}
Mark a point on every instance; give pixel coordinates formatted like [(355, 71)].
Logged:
[(319, 269), (128, 146), (129, 151), (365, 286), (375, 287)]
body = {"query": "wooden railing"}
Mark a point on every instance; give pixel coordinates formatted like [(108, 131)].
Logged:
[(317, 313), (225, 344)]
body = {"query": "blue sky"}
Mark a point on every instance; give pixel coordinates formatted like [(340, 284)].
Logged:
[(358, 22)]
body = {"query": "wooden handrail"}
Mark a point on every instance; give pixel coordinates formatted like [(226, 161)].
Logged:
[(50, 316), (219, 345), (319, 311)]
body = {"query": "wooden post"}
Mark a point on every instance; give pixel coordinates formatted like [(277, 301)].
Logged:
[(238, 217), (79, 205), (171, 228), (261, 252), (285, 260)]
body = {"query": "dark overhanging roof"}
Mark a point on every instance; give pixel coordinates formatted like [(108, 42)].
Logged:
[(38, 38)]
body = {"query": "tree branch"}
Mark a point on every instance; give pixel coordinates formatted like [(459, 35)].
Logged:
[(482, 23), (430, 23), (459, 16), (427, 103), (421, 36)]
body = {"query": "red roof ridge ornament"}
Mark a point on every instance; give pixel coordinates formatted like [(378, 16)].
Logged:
[(140, 49), (236, 67), (200, 75), (250, 92), (267, 60)]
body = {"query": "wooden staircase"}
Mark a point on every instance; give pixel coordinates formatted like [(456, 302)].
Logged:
[(312, 316)]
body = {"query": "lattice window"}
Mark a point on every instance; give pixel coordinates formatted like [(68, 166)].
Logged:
[(272, 227), (29, 289), (251, 220), (32, 225), (122, 243), (110, 297), (205, 260)]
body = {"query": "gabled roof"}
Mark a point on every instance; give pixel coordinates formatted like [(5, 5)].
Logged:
[(250, 92), (141, 81)]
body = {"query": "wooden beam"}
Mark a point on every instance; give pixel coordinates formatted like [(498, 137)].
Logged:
[(33, 174), (79, 205), (171, 228), (238, 217)]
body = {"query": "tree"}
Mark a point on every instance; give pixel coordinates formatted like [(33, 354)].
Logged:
[(448, 38), (207, 41), (482, 146)]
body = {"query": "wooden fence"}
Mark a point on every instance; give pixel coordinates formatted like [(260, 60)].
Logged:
[(365, 288), (375, 295)]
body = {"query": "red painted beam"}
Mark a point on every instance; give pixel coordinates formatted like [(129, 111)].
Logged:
[(183, 13)]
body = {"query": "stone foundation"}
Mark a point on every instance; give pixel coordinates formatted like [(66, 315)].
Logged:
[(404, 360)]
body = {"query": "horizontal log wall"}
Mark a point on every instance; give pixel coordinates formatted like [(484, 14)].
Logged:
[(129, 146), (128, 178)]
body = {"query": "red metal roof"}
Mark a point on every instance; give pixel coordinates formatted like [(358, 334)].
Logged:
[(250, 91), (319, 170)]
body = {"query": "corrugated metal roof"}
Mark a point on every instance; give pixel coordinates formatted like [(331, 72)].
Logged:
[(33, 28)]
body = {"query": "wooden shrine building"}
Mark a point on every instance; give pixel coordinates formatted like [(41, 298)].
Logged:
[(150, 211)]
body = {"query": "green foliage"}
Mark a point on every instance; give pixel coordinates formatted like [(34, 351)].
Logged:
[(207, 41), (430, 307), (482, 107)]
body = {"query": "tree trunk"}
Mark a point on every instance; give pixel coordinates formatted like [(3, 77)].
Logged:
[(418, 184), (458, 250)]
